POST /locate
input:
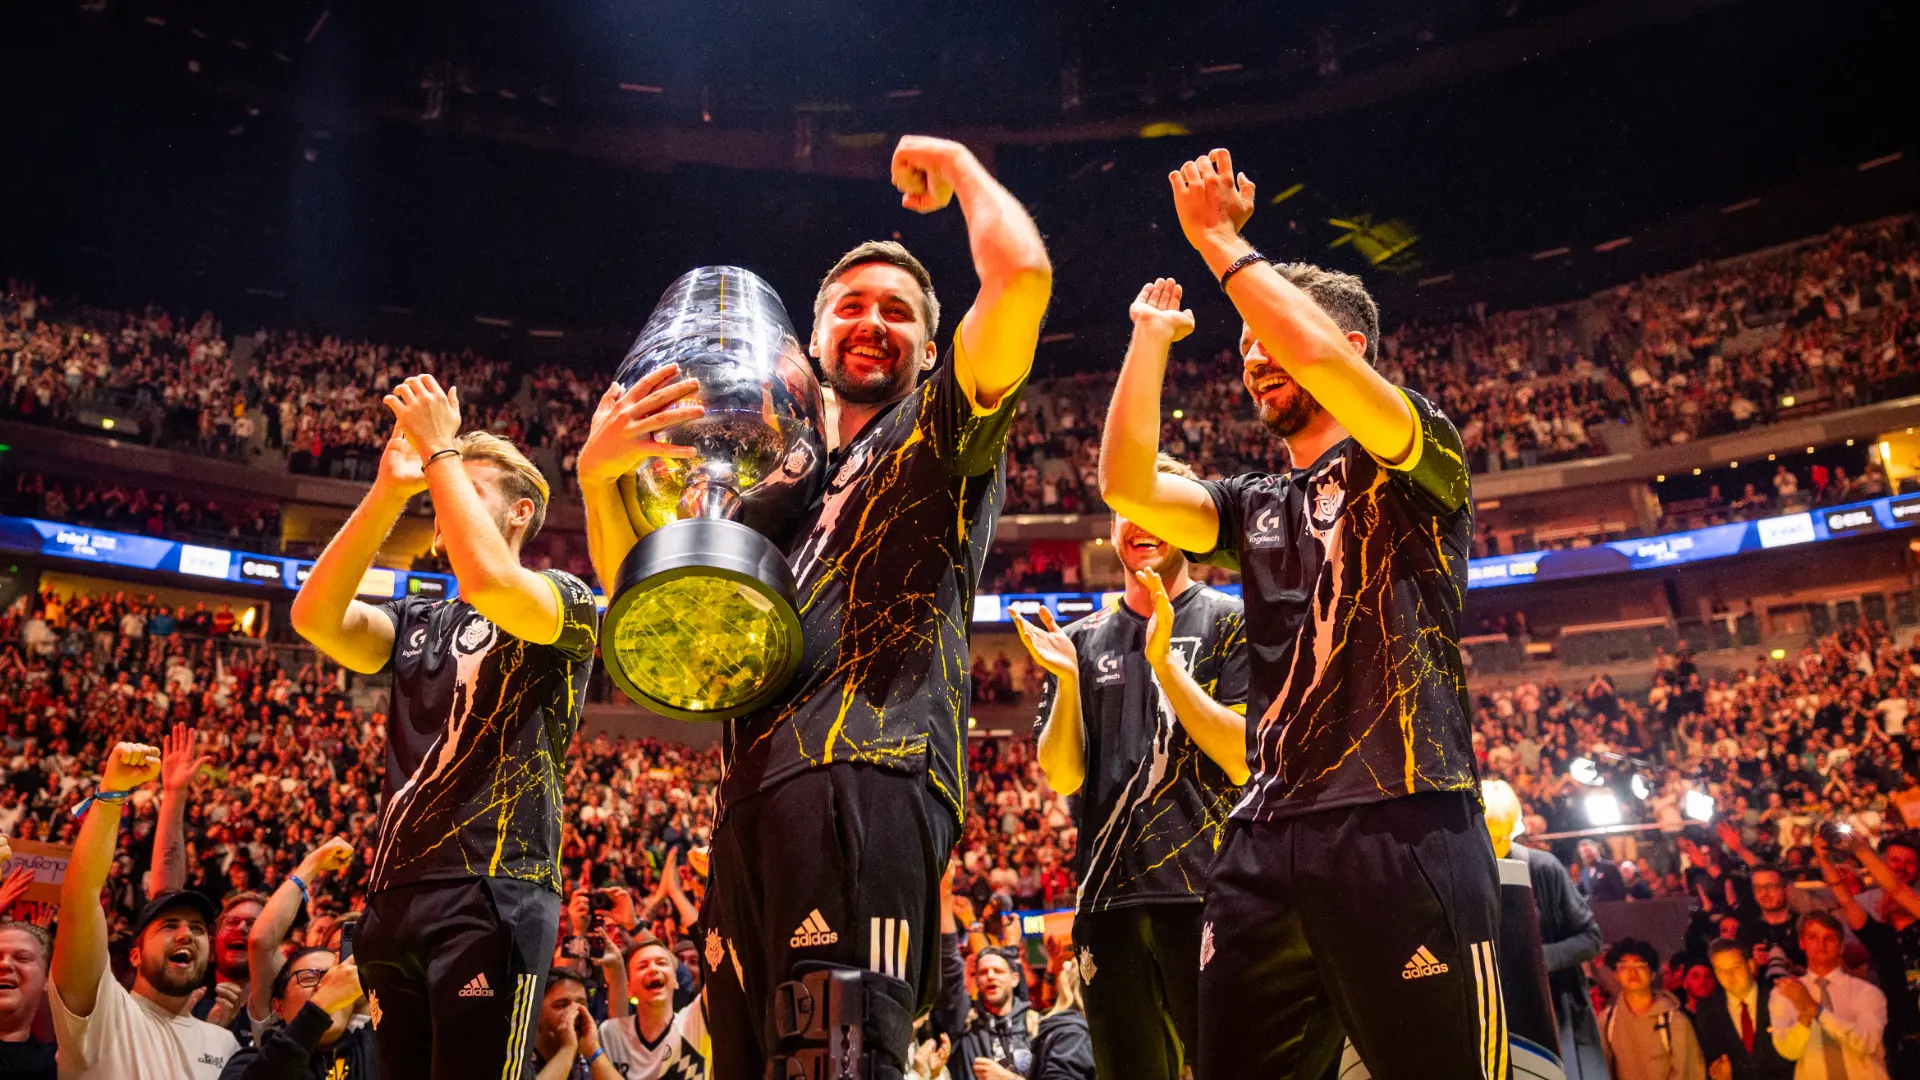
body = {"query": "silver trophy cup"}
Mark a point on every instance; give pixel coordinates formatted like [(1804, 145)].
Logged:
[(703, 623)]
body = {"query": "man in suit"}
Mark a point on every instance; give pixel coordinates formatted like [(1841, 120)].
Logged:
[(1735, 1030), (1599, 878)]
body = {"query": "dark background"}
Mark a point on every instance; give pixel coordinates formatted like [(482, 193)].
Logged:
[(297, 182)]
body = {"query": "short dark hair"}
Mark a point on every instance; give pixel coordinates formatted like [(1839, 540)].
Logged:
[(1626, 947), (1726, 944), (285, 976), (1342, 296), (888, 253), (561, 975), (1767, 868), (1907, 840), (1824, 918)]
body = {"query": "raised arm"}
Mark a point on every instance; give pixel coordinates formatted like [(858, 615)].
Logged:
[(179, 764), (519, 601), (80, 949), (1217, 730), (620, 439), (276, 919), (355, 633), (1062, 746), (1168, 506), (999, 333), (1328, 362)]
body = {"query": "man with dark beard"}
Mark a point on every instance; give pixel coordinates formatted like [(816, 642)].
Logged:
[(1143, 724), (842, 800), (1355, 888), (105, 1032)]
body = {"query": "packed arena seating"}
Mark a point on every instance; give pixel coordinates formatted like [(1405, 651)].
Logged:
[(1780, 746), (1823, 324), (134, 508)]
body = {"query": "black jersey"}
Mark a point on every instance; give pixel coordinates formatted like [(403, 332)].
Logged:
[(887, 565), (475, 744), (1153, 805), (1354, 575)]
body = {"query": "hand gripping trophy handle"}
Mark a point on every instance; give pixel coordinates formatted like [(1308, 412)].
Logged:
[(702, 624)]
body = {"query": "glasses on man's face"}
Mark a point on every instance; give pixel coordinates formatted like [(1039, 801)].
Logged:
[(308, 978)]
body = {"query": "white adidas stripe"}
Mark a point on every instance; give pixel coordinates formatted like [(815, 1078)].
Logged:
[(521, 1020)]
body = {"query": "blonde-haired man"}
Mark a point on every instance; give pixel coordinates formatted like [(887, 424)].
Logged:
[(465, 884)]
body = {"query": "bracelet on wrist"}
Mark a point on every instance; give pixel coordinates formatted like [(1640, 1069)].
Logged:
[(100, 796), (451, 451), (305, 900), (1252, 256), (599, 1050)]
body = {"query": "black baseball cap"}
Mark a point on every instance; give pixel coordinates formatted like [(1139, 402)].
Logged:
[(166, 902)]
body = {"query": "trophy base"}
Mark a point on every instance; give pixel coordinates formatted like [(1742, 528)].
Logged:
[(703, 623)]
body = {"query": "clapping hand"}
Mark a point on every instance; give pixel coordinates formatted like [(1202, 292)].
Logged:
[(1157, 311), (1159, 642), (1049, 646), (428, 415)]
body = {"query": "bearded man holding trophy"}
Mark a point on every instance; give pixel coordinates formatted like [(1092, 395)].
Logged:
[(819, 604)]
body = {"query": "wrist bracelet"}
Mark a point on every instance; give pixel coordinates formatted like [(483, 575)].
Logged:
[(595, 1056), (438, 454), (1240, 264), (304, 898), (99, 796)]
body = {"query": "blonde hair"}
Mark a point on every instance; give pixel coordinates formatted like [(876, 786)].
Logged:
[(520, 478), (1167, 463)]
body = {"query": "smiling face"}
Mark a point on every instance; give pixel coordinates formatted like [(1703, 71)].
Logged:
[(1141, 550), (230, 939), (23, 977), (650, 975), (870, 334), (1285, 408), (173, 951)]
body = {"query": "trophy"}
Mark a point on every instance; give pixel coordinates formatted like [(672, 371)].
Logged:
[(703, 623)]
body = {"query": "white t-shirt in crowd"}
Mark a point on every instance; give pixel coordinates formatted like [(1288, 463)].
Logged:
[(129, 1036), (681, 1053)]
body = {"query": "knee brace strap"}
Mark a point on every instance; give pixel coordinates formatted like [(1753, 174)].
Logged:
[(834, 1022)]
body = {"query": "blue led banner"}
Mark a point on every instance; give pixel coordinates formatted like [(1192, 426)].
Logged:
[(35, 537), (1619, 556)]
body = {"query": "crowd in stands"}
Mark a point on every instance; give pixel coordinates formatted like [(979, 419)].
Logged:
[(132, 508), (274, 758), (1827, 323)]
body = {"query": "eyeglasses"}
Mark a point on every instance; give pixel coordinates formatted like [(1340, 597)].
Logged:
[(308, 978)]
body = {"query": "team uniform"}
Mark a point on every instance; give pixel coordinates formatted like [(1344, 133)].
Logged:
[(1356, 888), (464, 891), (841, 803), (1150, 813), (679, 1054)]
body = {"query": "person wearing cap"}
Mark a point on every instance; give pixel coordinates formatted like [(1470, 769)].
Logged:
[(106, 1032)]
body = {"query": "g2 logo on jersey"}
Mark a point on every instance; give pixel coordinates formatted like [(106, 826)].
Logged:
[(474, 637)]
